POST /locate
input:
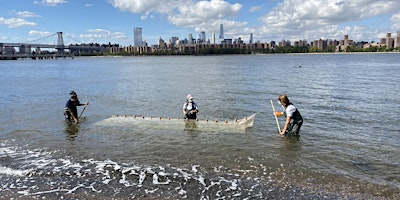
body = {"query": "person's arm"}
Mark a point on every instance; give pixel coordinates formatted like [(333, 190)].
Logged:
[(195, 110), (286, 125), (184, 109), (86, 103), (278, 114)]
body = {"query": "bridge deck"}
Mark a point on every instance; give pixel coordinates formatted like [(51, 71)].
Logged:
[(34, 56)]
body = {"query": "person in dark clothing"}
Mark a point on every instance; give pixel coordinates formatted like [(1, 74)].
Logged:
[(294, 120), (70, 110)]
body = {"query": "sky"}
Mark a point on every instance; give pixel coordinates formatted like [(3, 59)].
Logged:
[(112, 21)]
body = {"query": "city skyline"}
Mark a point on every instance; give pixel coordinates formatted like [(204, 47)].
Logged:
[(272, 20)]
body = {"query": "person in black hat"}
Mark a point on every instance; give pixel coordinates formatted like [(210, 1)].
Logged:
[(70, 110)]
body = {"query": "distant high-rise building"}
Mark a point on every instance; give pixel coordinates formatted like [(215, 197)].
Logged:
[(213, 38), (137, 36), (389, 40), (203, 37), (251, 38), (174, 40), (190, 39), (397, 40), (221, 31)]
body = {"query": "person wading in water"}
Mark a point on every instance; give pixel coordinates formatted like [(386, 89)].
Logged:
[(190, 108), (294, 120), (70, 110)]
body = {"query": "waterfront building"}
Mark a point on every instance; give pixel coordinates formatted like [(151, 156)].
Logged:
[(238, 41), (137, 36), (343, 44), (161, 44), (226, 42), (389, 41), (397, 40), (320, 44), (284, 43), (300, 43)]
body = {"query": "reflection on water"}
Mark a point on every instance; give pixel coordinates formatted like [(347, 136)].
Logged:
[(71, 130), (190, 126)]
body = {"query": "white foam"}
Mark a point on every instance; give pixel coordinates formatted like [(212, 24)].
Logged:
[(150, 191), (108, 171), (194, 168), (156, 182), (13, 172)]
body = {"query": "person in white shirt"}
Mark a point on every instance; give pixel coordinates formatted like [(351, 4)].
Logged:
[(294, 120), (190, 108)]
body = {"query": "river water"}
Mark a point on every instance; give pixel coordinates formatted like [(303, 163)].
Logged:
[(348, 149)]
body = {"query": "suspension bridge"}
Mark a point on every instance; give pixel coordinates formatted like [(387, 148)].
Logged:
[(34, 50), (8, 50)]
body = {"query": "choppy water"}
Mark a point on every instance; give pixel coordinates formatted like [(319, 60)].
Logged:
[(348, 149)]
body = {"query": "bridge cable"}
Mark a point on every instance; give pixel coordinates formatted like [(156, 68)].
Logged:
[(40, 38)]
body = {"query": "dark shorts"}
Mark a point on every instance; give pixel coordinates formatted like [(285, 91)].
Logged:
[(191, 116)]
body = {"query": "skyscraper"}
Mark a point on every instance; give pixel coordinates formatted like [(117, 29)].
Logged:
[(190, 39), (251, 38), (221, 31), (137, 36), (203, 37)]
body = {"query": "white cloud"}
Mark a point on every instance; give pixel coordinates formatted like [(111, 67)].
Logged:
[(15, 23), (395, 22), (40, 33), (50, 2), (203, 12), (254, 8), (103, 36), (147, 6), (25, 14), (313, 19), (199, 15)]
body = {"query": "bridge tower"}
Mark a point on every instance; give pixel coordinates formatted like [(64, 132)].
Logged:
[(60, 43)]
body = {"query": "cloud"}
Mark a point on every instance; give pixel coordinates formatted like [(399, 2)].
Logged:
[(15, 23), (25, 14), (254, 8), (103, 36), (316, 18), (396, 22), (40, 33), (50, 2), (199, 15), (203, 12), (147, 6)]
